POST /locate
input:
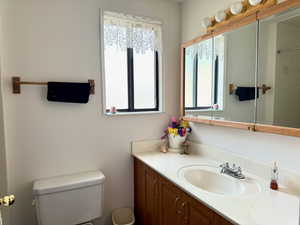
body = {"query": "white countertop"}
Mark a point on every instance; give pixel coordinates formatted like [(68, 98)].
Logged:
[(267, 207)]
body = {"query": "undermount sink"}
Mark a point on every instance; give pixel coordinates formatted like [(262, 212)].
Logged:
[(208, 178)]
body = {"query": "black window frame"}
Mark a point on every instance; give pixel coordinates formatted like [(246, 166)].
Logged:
[(130, 82), (195, 86)]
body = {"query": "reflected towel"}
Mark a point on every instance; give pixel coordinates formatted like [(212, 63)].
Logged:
[(246, 93)]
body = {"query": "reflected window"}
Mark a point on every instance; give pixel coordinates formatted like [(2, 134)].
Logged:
[(219, 71), (204, 72)]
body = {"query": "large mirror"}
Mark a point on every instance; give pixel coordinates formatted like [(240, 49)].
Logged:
[(249, 74), (279, 69), (235, 66), (219, 75)]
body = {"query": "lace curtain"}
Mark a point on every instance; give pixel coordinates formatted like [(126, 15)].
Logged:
[(220, 46), (127, 31), (203, 49)]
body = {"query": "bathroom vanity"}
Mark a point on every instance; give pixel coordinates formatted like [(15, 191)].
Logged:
[(159, 201), (175, 189)]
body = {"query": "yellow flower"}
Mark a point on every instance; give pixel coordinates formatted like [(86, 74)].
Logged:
[(184, 124), (173, 131)]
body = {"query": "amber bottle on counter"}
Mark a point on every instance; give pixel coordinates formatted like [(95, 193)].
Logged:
[(274, 177)]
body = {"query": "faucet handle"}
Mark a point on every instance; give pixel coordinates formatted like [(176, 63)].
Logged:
[(224, 165), (239, 169)]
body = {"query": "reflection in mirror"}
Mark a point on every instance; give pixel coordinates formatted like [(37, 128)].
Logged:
[(235, 65), (199, 79), (279, 69)]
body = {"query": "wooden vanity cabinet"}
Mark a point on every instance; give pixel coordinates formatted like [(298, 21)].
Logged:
[(218, 220), (159, 202), (172, 204), (151, 197), (198, 214)]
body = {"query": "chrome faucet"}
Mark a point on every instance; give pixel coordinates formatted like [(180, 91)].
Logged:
[(233, 171)]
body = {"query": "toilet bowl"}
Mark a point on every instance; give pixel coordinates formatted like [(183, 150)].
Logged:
[(69, 200)]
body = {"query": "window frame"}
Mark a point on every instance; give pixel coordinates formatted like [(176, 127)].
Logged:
[(195, 87), (159, 77), (130, 83)]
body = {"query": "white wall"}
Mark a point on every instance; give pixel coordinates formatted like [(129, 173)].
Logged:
[(287, 80), (3, 175), (267, 70), (240, 71), (258, 146), (58, 40), (193, 11)]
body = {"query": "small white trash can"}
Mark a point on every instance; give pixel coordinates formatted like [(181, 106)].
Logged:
[(123, 216)]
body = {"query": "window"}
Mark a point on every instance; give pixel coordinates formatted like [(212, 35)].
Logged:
[(132, 49), (219, 70)]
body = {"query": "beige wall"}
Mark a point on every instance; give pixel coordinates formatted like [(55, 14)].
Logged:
[(257, 146), (193, 11), (287, 79), (239, 70), (267, 70), (59, 40), (3, 175)]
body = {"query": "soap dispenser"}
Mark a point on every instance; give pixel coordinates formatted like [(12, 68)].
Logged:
[(274, 177)]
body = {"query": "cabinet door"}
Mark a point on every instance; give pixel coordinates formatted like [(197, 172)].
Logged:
[(139, 192), (219, 220), (170, 198), (152, 197), (198, 214)]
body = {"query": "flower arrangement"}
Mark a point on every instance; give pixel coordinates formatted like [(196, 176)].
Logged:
[(177, 128)]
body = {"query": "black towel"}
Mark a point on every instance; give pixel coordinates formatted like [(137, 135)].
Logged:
[(246, 93), (68, 92)]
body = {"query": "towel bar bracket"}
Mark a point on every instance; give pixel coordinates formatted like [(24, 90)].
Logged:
[(16, 85)]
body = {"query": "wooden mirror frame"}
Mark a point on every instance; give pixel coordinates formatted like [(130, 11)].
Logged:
[(236, 22)]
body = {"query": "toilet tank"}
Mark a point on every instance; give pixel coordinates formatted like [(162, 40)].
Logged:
[(70, 199)]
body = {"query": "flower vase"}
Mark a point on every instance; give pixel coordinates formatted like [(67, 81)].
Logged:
[(175, 143)]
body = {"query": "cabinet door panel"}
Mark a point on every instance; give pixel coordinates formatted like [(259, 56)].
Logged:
[(170, 199), (198, 214), (152, 197), (139, 192), (219, 220)]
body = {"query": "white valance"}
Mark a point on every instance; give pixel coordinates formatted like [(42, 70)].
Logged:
[(204, 50), (127, 31)]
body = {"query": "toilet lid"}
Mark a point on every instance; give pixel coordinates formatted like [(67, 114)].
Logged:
[(67, 182)]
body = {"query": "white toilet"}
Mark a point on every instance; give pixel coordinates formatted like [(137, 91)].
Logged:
[(69, 200)]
